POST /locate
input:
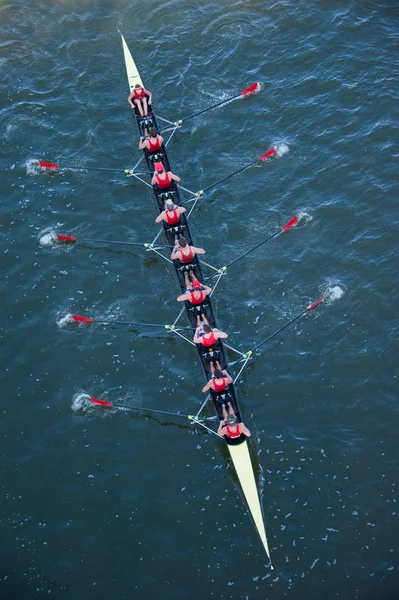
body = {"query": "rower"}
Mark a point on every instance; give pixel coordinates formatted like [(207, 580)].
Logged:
[(171, 214), (163, 179), (185, 253), (219, 380), (232, 431), (153, 143), (196, 296), (209, 336), (140, 98)]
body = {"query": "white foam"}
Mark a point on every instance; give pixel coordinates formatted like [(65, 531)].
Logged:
[(333, 293), (282, 149), (48, 240), (33, 167), (304, 217), (65, 321), (81, 402)]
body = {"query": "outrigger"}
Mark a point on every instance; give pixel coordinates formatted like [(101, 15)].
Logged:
[(238, 448)]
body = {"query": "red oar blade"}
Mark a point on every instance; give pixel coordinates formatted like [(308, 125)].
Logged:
[(100, 402), (252, 89), (319, 301), (65, 238), (82, 319), (47, 165), (268, 154), (290, 224)]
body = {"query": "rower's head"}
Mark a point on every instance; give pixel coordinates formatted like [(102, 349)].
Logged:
[(153, 132), (196, 284), (207, 328), (169, 205), (218, 374), (137, 86), (159, 167), (231, 419), (182, 242)]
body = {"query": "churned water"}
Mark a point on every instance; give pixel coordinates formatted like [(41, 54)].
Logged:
[(106, 503)]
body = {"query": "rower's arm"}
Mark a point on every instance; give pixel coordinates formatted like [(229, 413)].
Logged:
[(206, 288), (174, 177), (199, 251), (148, 94), (197, 339), (222, 335), (245, 430), (220, 429), (182, 297), (130, 99), (142, 143), (206, 387), (153, 180), (175, 252), (181, 210), (160, 218)]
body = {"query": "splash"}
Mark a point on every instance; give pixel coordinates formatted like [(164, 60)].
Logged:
[(48, 240), (33, 167), (281, 149), (65, 321), (333, 293), (81, 403), (304, 218)]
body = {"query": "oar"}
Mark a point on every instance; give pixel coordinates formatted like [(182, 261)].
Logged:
[(79, 319), (72, 240), (149, 410), (287, 226), (265, 156), (55, 167), (310, 307), (252, 89)]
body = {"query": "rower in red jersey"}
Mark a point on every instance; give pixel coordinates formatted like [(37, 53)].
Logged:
[(230, 429), (208, 337), (219, 380), (185, 253), (171, 214), (163, 179), (153, 143), (196, 294), (141, 98)]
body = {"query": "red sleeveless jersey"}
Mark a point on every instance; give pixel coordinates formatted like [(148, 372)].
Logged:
[(174, 219), (208, 342), (233, 434), (187, 258), (154, 146), (164, 182), (194, 300), (138, 93), (219, 387)]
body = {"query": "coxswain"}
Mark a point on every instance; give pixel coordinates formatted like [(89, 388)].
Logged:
[(152, 143), (219, 380), (163, 179), (185, 253), (141, 98), (208, 337), (171, 214), (229, 428)]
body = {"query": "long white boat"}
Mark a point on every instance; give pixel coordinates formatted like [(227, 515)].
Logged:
[(239, 452)]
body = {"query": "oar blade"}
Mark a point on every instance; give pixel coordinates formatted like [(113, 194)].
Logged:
[(268, 154), (66, 238), (48, 165), (79, 319), (290, 224), (252, 89), (319, 301), (100, 402)]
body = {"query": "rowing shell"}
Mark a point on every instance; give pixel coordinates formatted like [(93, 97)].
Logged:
[(239, 453)]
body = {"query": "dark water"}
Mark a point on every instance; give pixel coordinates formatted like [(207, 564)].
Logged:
[(113, 505)]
